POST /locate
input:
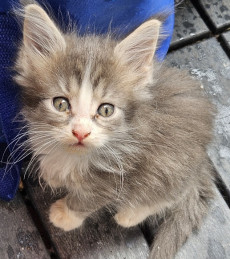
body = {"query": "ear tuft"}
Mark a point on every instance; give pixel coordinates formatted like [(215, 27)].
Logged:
[(139, 47), (40, 34)]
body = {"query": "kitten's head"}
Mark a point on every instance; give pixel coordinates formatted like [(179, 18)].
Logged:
[(80, 93)]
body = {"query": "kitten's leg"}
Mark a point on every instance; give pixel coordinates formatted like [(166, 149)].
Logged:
[(63, 217), (128, 217), (177, 225)]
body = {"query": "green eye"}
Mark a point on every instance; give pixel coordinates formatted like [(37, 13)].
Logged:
[(61, 104), (105, 110)]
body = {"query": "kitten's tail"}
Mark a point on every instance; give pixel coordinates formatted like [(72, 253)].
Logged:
[(181, 220)]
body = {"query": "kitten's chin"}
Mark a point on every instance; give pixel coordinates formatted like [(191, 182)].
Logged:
[(78, 148)]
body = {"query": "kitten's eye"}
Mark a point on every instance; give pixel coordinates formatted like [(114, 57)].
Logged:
[(61, 104), (105, 110)]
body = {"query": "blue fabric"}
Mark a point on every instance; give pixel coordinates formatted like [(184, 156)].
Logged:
[(100, 16), (119, 16), (5, 6), (9, 35)]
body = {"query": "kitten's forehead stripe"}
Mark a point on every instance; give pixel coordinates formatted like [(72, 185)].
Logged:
[(78, 69), (86, 90)]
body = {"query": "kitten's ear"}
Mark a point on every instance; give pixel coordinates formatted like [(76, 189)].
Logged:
[(139, 47), (40, 34)]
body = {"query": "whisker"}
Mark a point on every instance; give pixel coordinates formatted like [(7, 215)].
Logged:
[(36, 154), (120, 166), (27, 145)]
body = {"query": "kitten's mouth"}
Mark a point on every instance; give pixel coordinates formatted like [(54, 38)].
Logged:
[(79, 144), (77, 148)]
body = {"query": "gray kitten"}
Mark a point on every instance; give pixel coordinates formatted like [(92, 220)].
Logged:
[(115, 128)]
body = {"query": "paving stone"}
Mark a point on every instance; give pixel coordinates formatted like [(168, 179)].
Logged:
[(19, 236), (217, 13), (225, 37), (189, 27)]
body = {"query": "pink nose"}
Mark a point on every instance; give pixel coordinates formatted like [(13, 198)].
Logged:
[(80, 135)]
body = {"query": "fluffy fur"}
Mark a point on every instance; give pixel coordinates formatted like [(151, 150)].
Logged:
[(148, 158)]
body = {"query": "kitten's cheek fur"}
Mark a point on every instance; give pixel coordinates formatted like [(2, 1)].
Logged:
[(62, 217)]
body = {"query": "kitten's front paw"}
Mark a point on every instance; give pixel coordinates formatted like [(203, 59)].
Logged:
[(126, 219), (62, 217), (131, 217)]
